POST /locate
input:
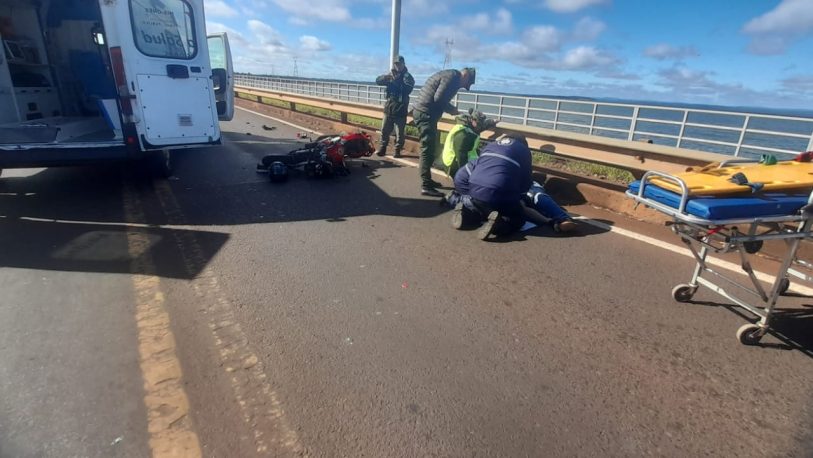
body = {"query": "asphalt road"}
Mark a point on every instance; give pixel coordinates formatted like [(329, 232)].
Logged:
[(217, 314)]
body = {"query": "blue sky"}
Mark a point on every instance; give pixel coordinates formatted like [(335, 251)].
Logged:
[(726, 52)]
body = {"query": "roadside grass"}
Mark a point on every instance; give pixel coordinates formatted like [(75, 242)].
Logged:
[(323, 112), (252, 97), (583, 168), (276, 102)]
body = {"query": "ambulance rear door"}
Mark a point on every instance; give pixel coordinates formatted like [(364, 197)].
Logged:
[(169, 76), (222, 75)]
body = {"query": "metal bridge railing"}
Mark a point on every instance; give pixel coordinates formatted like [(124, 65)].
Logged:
[(726, 132)]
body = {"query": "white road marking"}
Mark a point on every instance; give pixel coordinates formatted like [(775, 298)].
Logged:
[(685, 251)]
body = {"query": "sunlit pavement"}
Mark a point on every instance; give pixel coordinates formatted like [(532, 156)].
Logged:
[(218, 314)]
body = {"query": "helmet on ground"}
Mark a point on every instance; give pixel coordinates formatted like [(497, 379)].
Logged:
[(278, 172)]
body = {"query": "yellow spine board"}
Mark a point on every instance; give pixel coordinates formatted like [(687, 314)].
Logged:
[(783, 176)]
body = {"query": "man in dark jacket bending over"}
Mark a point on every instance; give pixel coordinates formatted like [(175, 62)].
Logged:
[(434, 99), (491, 187), (399, 83)]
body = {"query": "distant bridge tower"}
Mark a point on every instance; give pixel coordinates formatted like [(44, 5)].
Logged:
[(296, 67), (447, 58)]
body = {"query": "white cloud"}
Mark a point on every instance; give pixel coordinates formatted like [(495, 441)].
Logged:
[(235, 37), (267, 52), (570, 6), (665, 51), (264, 33), (798, 85), (586, 57), (778, 29), (697, 82), (464, 33), (311, 43), (588, 29), (504, 22), (796, 15), (219, 8), (500, 24), (423, 8), (538, 47), (316, 10), (542, 38)]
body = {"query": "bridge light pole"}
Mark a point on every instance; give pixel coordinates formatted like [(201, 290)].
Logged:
[(396, 30)]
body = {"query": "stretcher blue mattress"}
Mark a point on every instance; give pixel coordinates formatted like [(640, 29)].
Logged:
[(729, 207)]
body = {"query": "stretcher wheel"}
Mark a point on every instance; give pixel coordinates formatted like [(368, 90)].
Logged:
[(784, 285), (683, 293), (752, 247), (750, 334)]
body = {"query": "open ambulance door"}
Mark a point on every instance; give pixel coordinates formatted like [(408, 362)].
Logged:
[(164, 75), (222, 75)]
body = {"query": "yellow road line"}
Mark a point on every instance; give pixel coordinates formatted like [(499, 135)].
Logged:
[(169, 424), (263, 412)]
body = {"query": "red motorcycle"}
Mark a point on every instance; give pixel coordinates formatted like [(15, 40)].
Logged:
[(324, 157)]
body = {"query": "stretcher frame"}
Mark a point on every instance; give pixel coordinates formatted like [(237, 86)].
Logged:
[(702, 236)]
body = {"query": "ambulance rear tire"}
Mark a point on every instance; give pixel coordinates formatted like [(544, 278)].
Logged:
[(160, 164)]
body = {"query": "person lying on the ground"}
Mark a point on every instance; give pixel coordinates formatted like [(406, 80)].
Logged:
[(541, 209), (489, 190), (538, 206), (463, 141)]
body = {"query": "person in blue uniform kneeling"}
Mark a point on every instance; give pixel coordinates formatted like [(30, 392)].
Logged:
[(497, 190)]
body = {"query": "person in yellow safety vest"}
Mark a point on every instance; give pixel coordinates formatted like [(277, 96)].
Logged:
[(463, 141)]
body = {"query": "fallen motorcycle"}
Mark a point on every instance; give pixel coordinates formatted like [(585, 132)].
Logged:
[(322, 158)]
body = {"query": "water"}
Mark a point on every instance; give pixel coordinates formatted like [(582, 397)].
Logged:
[(661, 124)]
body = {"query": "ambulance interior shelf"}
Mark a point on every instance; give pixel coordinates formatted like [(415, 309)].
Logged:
[(66, 82)]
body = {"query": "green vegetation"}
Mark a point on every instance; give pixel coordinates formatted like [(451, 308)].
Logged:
[(583, 168), (243, 95), (323, 112), (375, 123), (276, 102), (364, 121)]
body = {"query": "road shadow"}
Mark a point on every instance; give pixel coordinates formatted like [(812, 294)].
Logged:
[(102, 248), (583, 229), (790, 326), (73, 219), (257, 200)]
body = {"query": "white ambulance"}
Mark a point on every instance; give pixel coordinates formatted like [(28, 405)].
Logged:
[(87, 81)]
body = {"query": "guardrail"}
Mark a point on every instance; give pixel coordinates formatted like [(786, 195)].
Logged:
[(721, 132), (636, 157)]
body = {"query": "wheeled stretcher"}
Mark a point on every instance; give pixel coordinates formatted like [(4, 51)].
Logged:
[(729, 224)]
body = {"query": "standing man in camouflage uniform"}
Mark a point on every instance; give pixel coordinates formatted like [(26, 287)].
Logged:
[(399, 84), (435, 99)]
